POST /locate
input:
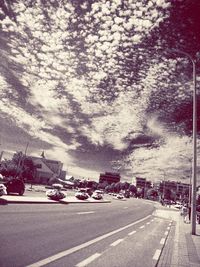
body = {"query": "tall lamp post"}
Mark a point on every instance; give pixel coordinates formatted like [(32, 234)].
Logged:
[(194, 162)]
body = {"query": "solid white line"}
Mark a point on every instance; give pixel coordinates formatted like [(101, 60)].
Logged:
[(157, 254), (84, 245), (88, 260), (116, 242), (85, 212), (131, 233), (166, 233), (162, 241), (141, 226)]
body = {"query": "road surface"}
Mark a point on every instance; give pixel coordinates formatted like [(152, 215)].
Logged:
[(116, 234)]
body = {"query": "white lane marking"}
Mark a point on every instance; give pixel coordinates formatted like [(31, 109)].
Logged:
[(84, 245), (88, 260), (141, 226), (131, 233), (148, 222), (166, 232), (157, 254), (85, 212), (162, 241), (125, 207), (116, 242), (168, 228), (152, 220)]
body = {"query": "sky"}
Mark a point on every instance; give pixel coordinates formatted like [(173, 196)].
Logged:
[(99, 86)]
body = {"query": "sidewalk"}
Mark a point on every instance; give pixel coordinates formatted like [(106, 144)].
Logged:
[(182, 249)]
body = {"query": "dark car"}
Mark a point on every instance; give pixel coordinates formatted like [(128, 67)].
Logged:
[(15, 186)]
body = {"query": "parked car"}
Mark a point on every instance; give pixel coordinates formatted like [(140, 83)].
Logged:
[(82, 194), (55, 193), (15, 185), (178, 206), (97, 194), (119, 196), (2, 190)]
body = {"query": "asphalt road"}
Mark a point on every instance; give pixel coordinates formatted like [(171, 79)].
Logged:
[(116, 234)]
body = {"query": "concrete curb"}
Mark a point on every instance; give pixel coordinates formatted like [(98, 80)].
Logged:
[(40, 200), (26, 200)]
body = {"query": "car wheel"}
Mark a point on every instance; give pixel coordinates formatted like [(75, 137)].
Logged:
[(21, 192)]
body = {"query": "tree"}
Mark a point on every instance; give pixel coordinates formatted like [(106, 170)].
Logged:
[(117, 187), (133, 189), (20, 166), (102, 185), (152, 193)]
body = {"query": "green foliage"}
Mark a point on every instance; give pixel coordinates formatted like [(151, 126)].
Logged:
[(20, 165), (152, 193), (133, 188)]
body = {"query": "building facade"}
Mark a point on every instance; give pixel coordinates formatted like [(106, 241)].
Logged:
[(46, 169), (181, 190), (143, 183), (109, 177)]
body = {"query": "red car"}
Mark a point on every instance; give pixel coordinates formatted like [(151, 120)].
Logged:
[(15, 185)]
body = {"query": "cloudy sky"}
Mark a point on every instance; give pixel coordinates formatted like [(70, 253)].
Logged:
[(97, 84)]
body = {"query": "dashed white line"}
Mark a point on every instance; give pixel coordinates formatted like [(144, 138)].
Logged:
[(166, 233), (148, 222), (84, 245), (162, 241), (157, 254), (85, 212), (152, 220), (132, 233), (116, 242), (141, 226), (88, 260), (168, 228)]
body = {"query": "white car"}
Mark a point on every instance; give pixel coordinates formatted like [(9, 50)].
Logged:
[(119, 196), (82, 194), (178, 206), (97, 194)]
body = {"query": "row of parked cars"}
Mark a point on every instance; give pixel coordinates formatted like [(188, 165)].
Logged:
[(55, 193), (17, 186), (84, 193)]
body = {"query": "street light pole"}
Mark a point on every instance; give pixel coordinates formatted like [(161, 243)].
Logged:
[(194, 165), (194, 162)]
